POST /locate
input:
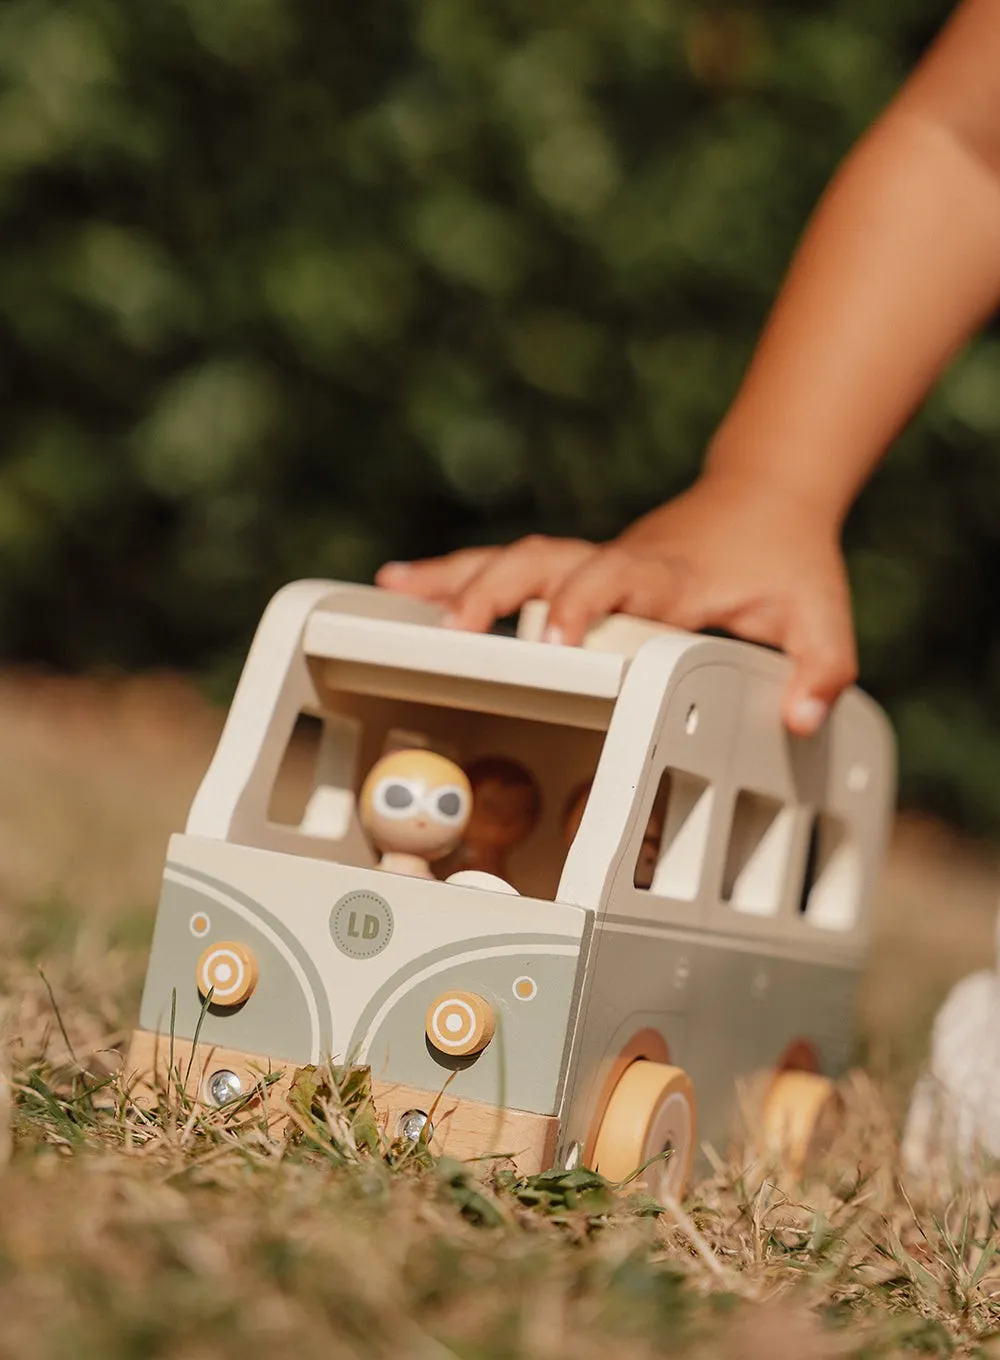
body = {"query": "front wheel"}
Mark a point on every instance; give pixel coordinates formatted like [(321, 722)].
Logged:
[(650, 1119)]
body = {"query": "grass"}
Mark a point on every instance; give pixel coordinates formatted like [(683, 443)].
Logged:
[(179, 1234)]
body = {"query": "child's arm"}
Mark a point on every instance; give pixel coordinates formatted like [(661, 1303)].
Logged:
[(900, 265)]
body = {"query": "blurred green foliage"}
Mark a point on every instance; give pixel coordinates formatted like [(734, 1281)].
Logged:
[(289, 288)]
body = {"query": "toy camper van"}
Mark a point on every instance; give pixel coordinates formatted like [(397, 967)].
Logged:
[(688, 907)]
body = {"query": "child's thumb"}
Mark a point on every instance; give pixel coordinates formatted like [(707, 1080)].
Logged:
[(821, 648)]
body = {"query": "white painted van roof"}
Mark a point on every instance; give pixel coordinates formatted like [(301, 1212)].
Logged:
[(481, 658)]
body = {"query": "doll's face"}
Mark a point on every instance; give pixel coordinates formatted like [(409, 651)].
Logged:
[(504, 810), (415, 803)]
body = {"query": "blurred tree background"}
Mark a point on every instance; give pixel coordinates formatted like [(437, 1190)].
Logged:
[(289, 287)]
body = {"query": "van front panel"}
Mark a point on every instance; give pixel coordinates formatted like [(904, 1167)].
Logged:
[(349, 961)]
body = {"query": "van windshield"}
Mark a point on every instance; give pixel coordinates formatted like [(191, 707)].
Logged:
[(528, 755)]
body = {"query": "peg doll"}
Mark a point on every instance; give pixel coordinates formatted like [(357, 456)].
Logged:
[(414, 806), (506, 806)]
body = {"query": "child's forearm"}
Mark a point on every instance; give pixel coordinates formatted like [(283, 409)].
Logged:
[(900, 265)]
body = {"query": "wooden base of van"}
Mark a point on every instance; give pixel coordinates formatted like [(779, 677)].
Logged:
[(461, 1128), (156, 1066)]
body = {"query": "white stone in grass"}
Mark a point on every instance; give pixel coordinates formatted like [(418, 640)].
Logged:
[(954, 1114)]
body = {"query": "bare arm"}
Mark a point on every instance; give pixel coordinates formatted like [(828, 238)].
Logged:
[(899, 265)]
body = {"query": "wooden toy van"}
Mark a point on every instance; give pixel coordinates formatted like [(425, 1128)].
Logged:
[(706, 923)]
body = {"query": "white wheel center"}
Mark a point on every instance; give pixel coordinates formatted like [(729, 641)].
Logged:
[(669, 1127), (223, 971), (453, 1022)]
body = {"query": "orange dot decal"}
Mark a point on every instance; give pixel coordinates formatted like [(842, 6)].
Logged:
[(525, 988), (199, 923)]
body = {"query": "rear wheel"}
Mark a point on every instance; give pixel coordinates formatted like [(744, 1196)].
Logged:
[(650, 1118), (800, 1118)]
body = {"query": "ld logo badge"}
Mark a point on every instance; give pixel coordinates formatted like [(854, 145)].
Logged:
[(361, 924)]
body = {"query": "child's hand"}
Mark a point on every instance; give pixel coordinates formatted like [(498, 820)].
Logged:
[(730, 553)]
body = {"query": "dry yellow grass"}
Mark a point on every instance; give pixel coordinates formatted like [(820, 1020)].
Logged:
[(191, 1239)]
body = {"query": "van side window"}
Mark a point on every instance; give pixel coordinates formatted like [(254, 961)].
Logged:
[(758, 857), (671, 855), (831, 882), (296, 777)]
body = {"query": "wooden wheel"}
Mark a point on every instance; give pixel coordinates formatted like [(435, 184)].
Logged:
[(651, 1111), (800, 1116)]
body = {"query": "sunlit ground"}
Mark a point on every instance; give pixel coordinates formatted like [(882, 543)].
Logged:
[(183, 1239)]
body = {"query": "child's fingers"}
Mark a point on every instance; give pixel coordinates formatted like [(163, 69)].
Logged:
[(820, 642), (613, 581), (435, 578), (532, 568), (584, 583)]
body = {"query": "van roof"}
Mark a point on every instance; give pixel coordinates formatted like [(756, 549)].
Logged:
[(479, 671)]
